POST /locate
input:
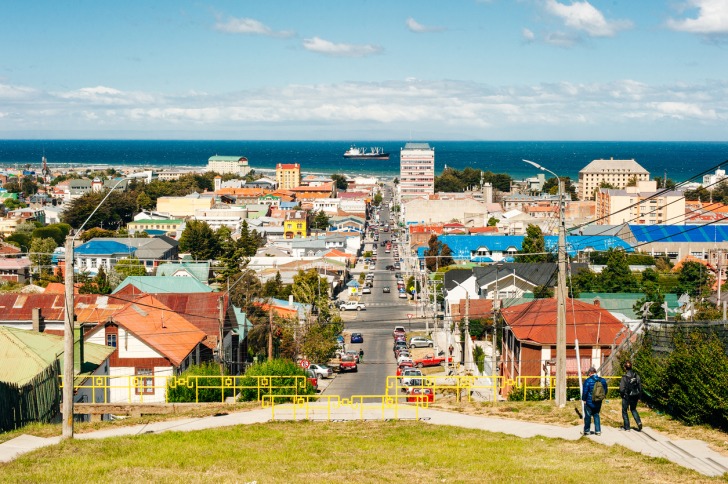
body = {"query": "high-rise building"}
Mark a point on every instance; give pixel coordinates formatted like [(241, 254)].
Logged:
[(640, 205), (288, 175), (615, 173), (416, 170)]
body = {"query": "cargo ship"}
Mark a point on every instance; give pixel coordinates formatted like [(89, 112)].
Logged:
[(372, 154)]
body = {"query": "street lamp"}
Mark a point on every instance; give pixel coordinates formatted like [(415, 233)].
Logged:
[(69, 326), (560, 297)]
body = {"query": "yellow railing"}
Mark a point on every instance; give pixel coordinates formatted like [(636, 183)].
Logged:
[(547, 384), (155, 388), (361, 407)]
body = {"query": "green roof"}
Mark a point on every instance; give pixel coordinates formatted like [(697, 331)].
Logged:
[(14, 196), (171, 221), (24, 354), (622, 302), (227, 158), (164, 284), (198, 270)]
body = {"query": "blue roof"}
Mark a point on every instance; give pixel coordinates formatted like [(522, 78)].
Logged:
[(463, 245), (100, 247), (680, 233)]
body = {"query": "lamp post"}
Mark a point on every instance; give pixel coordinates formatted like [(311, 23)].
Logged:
[(560, 297), (69, 325)]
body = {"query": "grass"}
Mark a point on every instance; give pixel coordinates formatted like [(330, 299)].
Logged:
[(339, 452)]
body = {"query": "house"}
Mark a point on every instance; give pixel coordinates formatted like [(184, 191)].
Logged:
[(348, 223), (198, 270), (100, 252), (296, 225), (529, 337), (152, 342), (15, 269), (170, 227), (9, 250), (160, 284), (181, 207)]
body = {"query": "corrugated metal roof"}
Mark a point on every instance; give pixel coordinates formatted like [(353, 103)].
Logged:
[(163, 284), (24, 354), (680, 233)]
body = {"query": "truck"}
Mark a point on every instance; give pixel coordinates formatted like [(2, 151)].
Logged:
[(353, 306), (430, 360)]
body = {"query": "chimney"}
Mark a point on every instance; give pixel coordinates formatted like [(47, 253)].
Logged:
[(38, 321), (597, 303), (290, 300)]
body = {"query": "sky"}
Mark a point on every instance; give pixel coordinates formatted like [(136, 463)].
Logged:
[(365, 69)]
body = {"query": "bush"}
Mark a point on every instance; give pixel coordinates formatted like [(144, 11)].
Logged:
[(183, 393), (479, 357), (532, 394), (285, 370), (689, 383)]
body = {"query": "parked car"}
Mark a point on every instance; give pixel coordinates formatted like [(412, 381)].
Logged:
[(389, 267), (412, 377), (367, 289), (403, 366), (421, 342), (400, 338), (399, 330), (354, 354), (385, 289), (402, 295), (321, 371), (415, 395), (430, 360), (357, 338), (312, 378), (353, 306), (404, 355)]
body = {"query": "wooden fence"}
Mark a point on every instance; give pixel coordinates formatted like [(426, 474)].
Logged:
[(36, 401)]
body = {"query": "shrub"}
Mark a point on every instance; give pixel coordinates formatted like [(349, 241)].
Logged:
[(532, 394), (479, 357), (285, 384), (183, 393)]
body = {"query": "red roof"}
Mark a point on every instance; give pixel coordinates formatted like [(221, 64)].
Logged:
[(425, 229), (160, 327), (8, 249), (536, 322), (90, 308), (287, 166), (479, 309), (483, 230)]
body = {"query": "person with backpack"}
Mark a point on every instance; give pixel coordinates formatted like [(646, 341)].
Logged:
[(361, 356), (630, 388), (593, 394)]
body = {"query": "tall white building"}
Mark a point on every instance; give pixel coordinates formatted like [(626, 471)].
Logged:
[(416, 170), (616, 173), (236, 165), (711, 181)]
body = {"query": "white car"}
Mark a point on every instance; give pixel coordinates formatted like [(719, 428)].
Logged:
[(420, 342), (366, 290), (412, 376), (403, 295), (405, 359), (353, 306), (322, 371)]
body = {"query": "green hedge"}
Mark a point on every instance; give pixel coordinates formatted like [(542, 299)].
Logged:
[(286, 369), (689, 383), (183, 393)]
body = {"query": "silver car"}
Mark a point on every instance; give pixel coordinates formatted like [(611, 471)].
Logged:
[(321, 371), (420, 342)]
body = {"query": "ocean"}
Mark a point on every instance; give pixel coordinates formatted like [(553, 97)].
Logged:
[(680, 160)]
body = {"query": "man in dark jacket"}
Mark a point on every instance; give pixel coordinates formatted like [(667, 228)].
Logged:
[(630, 388), (592, 408)]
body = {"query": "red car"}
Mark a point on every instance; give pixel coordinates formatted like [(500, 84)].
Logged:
[(431, 360), (420, 395), (348, 363), (399, 330), (404, 365)]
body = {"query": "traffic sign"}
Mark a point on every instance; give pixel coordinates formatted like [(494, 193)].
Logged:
[(304, 364), (410, 315)]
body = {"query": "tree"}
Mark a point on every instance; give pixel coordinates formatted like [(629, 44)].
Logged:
[(551, 186), (341, 183), (117, 210), (230, 254), (583, 281), (320, 221), (616, 276), (49, 231), (275, 288), (97, 233), (130, 266), (377, 200), (248, 242), (29, 186), (492, 222), (543, 292), (396, 181), (199, 240), (694, 279), (143, 201), (533, 248), (20, 240), (319, 343), (41, 255), (446, 256), (432, 253)]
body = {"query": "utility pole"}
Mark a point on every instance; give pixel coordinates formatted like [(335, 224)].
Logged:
[(493, 361), (68, 333), (221, 323), (720, 269), (466, 331), (561, 307), (270, 334)]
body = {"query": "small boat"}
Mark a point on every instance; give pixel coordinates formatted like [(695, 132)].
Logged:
[(372, 154)]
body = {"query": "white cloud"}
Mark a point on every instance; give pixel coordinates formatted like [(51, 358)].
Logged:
[(249, 26), (326, 47), (583, 16), (712, 18), (562, 39), (414, 26), (625, 109), (528, 35), (8, 92)]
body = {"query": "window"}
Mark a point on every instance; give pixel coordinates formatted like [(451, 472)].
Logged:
[(111, 340), (93, 263), (144, 381)]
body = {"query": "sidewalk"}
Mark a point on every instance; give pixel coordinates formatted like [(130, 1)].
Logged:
[(692, 454)]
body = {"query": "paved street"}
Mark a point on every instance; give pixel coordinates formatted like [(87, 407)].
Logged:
[(384, 312)]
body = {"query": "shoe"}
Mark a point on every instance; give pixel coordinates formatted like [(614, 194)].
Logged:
[(623, 429), (639, 427), (592, 433), (584, 433), (598, 433)]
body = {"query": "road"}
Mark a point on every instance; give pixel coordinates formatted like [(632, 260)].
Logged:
[(384, 312)]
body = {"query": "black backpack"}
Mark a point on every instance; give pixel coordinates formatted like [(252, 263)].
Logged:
[(633, 386)]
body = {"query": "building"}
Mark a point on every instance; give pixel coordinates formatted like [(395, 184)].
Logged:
[(235, 165), (712, 180), (106, 252), (288, 175), (445, 207), (181, 207), (642, 204), (296, 225), (15, 269), (617, 173), (416, 170), (170, 227)]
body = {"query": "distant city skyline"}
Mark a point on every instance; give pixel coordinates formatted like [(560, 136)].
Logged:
[(377, 70)]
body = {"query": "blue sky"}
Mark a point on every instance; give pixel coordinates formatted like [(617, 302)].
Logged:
[(367, 69)]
